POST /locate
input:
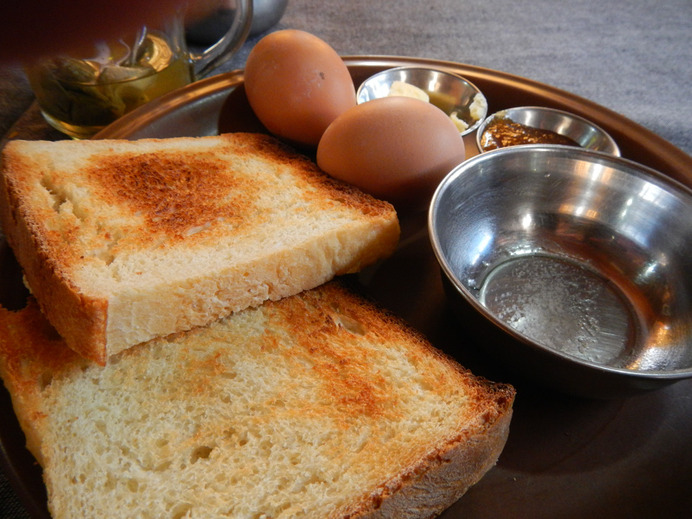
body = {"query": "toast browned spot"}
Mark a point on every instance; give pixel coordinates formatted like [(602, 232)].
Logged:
[(320, 405), (122, 241)]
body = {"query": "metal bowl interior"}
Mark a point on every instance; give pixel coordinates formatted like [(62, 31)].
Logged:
[(448, 91), (587, 134), (580, 260)]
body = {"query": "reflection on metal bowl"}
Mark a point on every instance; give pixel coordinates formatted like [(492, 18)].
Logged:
[(579, 263)]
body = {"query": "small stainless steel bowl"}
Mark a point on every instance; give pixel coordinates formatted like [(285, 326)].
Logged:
[(448, 91), (585, 133), (580, 264)]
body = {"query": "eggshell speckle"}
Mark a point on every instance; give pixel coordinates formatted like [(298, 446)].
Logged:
[(395, 148)]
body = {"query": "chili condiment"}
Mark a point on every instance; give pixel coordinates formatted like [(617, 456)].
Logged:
[(502, 132)]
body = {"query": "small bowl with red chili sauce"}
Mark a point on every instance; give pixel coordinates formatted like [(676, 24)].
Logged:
[(541, 125)]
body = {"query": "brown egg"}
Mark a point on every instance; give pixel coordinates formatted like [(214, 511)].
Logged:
[(395, 148), (297, 85)]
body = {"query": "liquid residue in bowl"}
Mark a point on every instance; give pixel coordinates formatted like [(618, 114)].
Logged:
[(564, 306)]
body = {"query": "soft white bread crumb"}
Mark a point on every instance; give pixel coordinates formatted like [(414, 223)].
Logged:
[(318, 405)]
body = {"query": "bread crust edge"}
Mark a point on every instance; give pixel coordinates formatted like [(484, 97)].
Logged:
[(440, 479), (80, 319)]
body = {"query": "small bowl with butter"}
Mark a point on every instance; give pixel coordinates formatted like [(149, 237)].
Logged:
[(460, 99), (541, 125)]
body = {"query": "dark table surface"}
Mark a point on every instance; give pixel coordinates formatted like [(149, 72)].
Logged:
[(633, 57)]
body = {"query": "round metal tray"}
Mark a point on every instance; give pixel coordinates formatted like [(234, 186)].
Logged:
[(566, 457)]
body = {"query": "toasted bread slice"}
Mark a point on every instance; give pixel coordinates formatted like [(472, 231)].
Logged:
[(317, 405), (122, 241)]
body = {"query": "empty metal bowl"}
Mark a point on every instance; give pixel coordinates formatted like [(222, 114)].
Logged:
[(580, 264), (581, 131), (448, 91)]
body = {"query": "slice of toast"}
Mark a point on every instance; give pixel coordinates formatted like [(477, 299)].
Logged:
[(318, 405), (122, 241)]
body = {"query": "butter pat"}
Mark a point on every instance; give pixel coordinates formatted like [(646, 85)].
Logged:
[(478, 107), (399, 88), (476, 110), (459, 123)]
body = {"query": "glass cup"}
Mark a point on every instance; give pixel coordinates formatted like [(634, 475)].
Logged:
[(80, 95)]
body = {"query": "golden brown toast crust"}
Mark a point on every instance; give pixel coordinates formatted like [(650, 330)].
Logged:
[(175, 191), (81, 217)]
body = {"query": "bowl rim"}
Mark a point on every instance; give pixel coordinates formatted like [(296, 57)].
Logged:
[(614, 149), (591, 155), (441, 70)]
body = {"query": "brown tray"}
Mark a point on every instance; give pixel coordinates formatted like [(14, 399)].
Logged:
[(566, 457)]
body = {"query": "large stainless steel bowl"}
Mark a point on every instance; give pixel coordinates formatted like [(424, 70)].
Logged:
[(580, 264)]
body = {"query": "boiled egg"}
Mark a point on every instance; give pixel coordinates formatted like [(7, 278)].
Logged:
[(297, 85), (395, 148)]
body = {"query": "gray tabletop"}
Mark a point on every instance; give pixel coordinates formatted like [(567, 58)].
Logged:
[(633, 57)]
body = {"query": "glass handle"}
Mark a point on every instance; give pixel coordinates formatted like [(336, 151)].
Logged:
[(203, 63)]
